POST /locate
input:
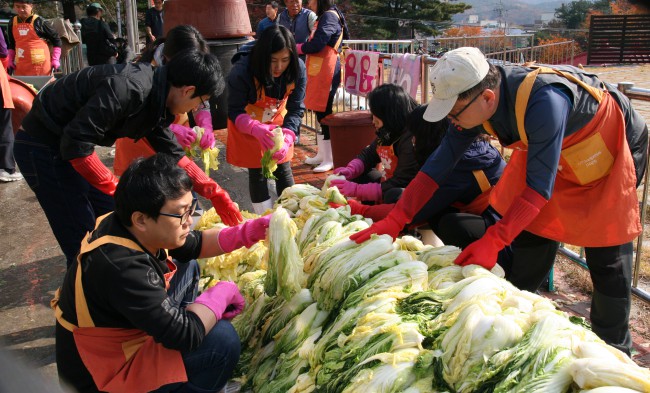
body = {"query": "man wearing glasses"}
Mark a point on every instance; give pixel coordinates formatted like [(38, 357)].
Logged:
[(580, 151), (128, 316), (95, 106)]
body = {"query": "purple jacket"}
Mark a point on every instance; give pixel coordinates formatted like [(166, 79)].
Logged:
[(3, 46)]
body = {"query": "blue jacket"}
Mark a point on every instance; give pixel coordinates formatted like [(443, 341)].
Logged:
[(242, 91), (327, 33), (460, 185), (264, 23)]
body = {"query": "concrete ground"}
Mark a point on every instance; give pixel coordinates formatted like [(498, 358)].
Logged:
[(32, 265)]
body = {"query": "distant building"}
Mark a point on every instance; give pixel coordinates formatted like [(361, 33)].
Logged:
[(489, 23), (472, 19), (546, 17)]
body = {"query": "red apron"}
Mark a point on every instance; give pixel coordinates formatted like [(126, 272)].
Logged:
[(32, 52), (6, 89), (244, 150), (594, 201), (388, 161), (320, 72), (127, 149), (481, 202), (119, 360)]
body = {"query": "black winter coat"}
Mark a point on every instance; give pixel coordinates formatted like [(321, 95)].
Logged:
[(99, 104)]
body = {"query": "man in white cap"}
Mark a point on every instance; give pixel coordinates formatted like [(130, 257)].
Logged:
[(580, 151)]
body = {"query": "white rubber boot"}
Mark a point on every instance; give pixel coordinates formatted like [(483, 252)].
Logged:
[(328, 163), (261, 207), (318, 158)]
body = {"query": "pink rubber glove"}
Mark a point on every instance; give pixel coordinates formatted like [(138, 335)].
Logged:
[(184, 135), (56, 55), (520, 214), (203, 119), (299, 49), (263, 132), (351, 171), (289, 139), (11, 61), (364, 192), (244, 235), (223, 299)]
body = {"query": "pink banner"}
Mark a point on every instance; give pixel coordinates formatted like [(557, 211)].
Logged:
[(405, 72), (361, 72)]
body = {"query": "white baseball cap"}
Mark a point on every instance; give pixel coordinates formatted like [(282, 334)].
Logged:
[(455, 72)]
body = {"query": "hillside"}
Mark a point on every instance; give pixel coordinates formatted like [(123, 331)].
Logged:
[(515, 11)]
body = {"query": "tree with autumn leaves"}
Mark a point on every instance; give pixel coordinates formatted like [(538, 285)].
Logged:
[(577, 14)]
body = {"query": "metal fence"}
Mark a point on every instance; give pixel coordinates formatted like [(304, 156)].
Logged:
[(502, 49)]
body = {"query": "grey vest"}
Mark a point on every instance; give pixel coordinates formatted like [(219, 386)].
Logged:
[(299, 26)]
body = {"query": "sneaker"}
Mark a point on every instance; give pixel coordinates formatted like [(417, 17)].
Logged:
[(7, 177), (297, 141)]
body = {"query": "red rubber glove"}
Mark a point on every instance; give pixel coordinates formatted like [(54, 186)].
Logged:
[(208, 188), (223, 299), (184, 135), (415, 196), (289, 139), (56, 56), (354, 169), (262, 132), (96, 173), (375, 212), (243, 235), (521, 213), (364, 192), (203, 119)]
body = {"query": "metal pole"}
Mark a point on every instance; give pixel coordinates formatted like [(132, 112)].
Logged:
[(118, 9), (129, 10)]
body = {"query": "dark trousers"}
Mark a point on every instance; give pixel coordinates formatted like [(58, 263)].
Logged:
[(462, 229), (611, 274), (210, 365), (6, 139), (69, 202), (336, 81), (258, 184)]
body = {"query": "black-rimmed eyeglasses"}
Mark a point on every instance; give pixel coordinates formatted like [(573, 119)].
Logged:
[(204, 105), (455, 117), (185, 215)]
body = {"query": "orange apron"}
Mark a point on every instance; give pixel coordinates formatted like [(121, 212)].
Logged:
[(119, 360), (6, 89), (481, 202), (594, 201), (388, 161), (32, 52), (244, 150), (127, 149), (320, 71)]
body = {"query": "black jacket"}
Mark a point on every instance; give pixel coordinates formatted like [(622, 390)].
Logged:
[(125, 288), (407, 165), (99, 40), (99, 104)]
